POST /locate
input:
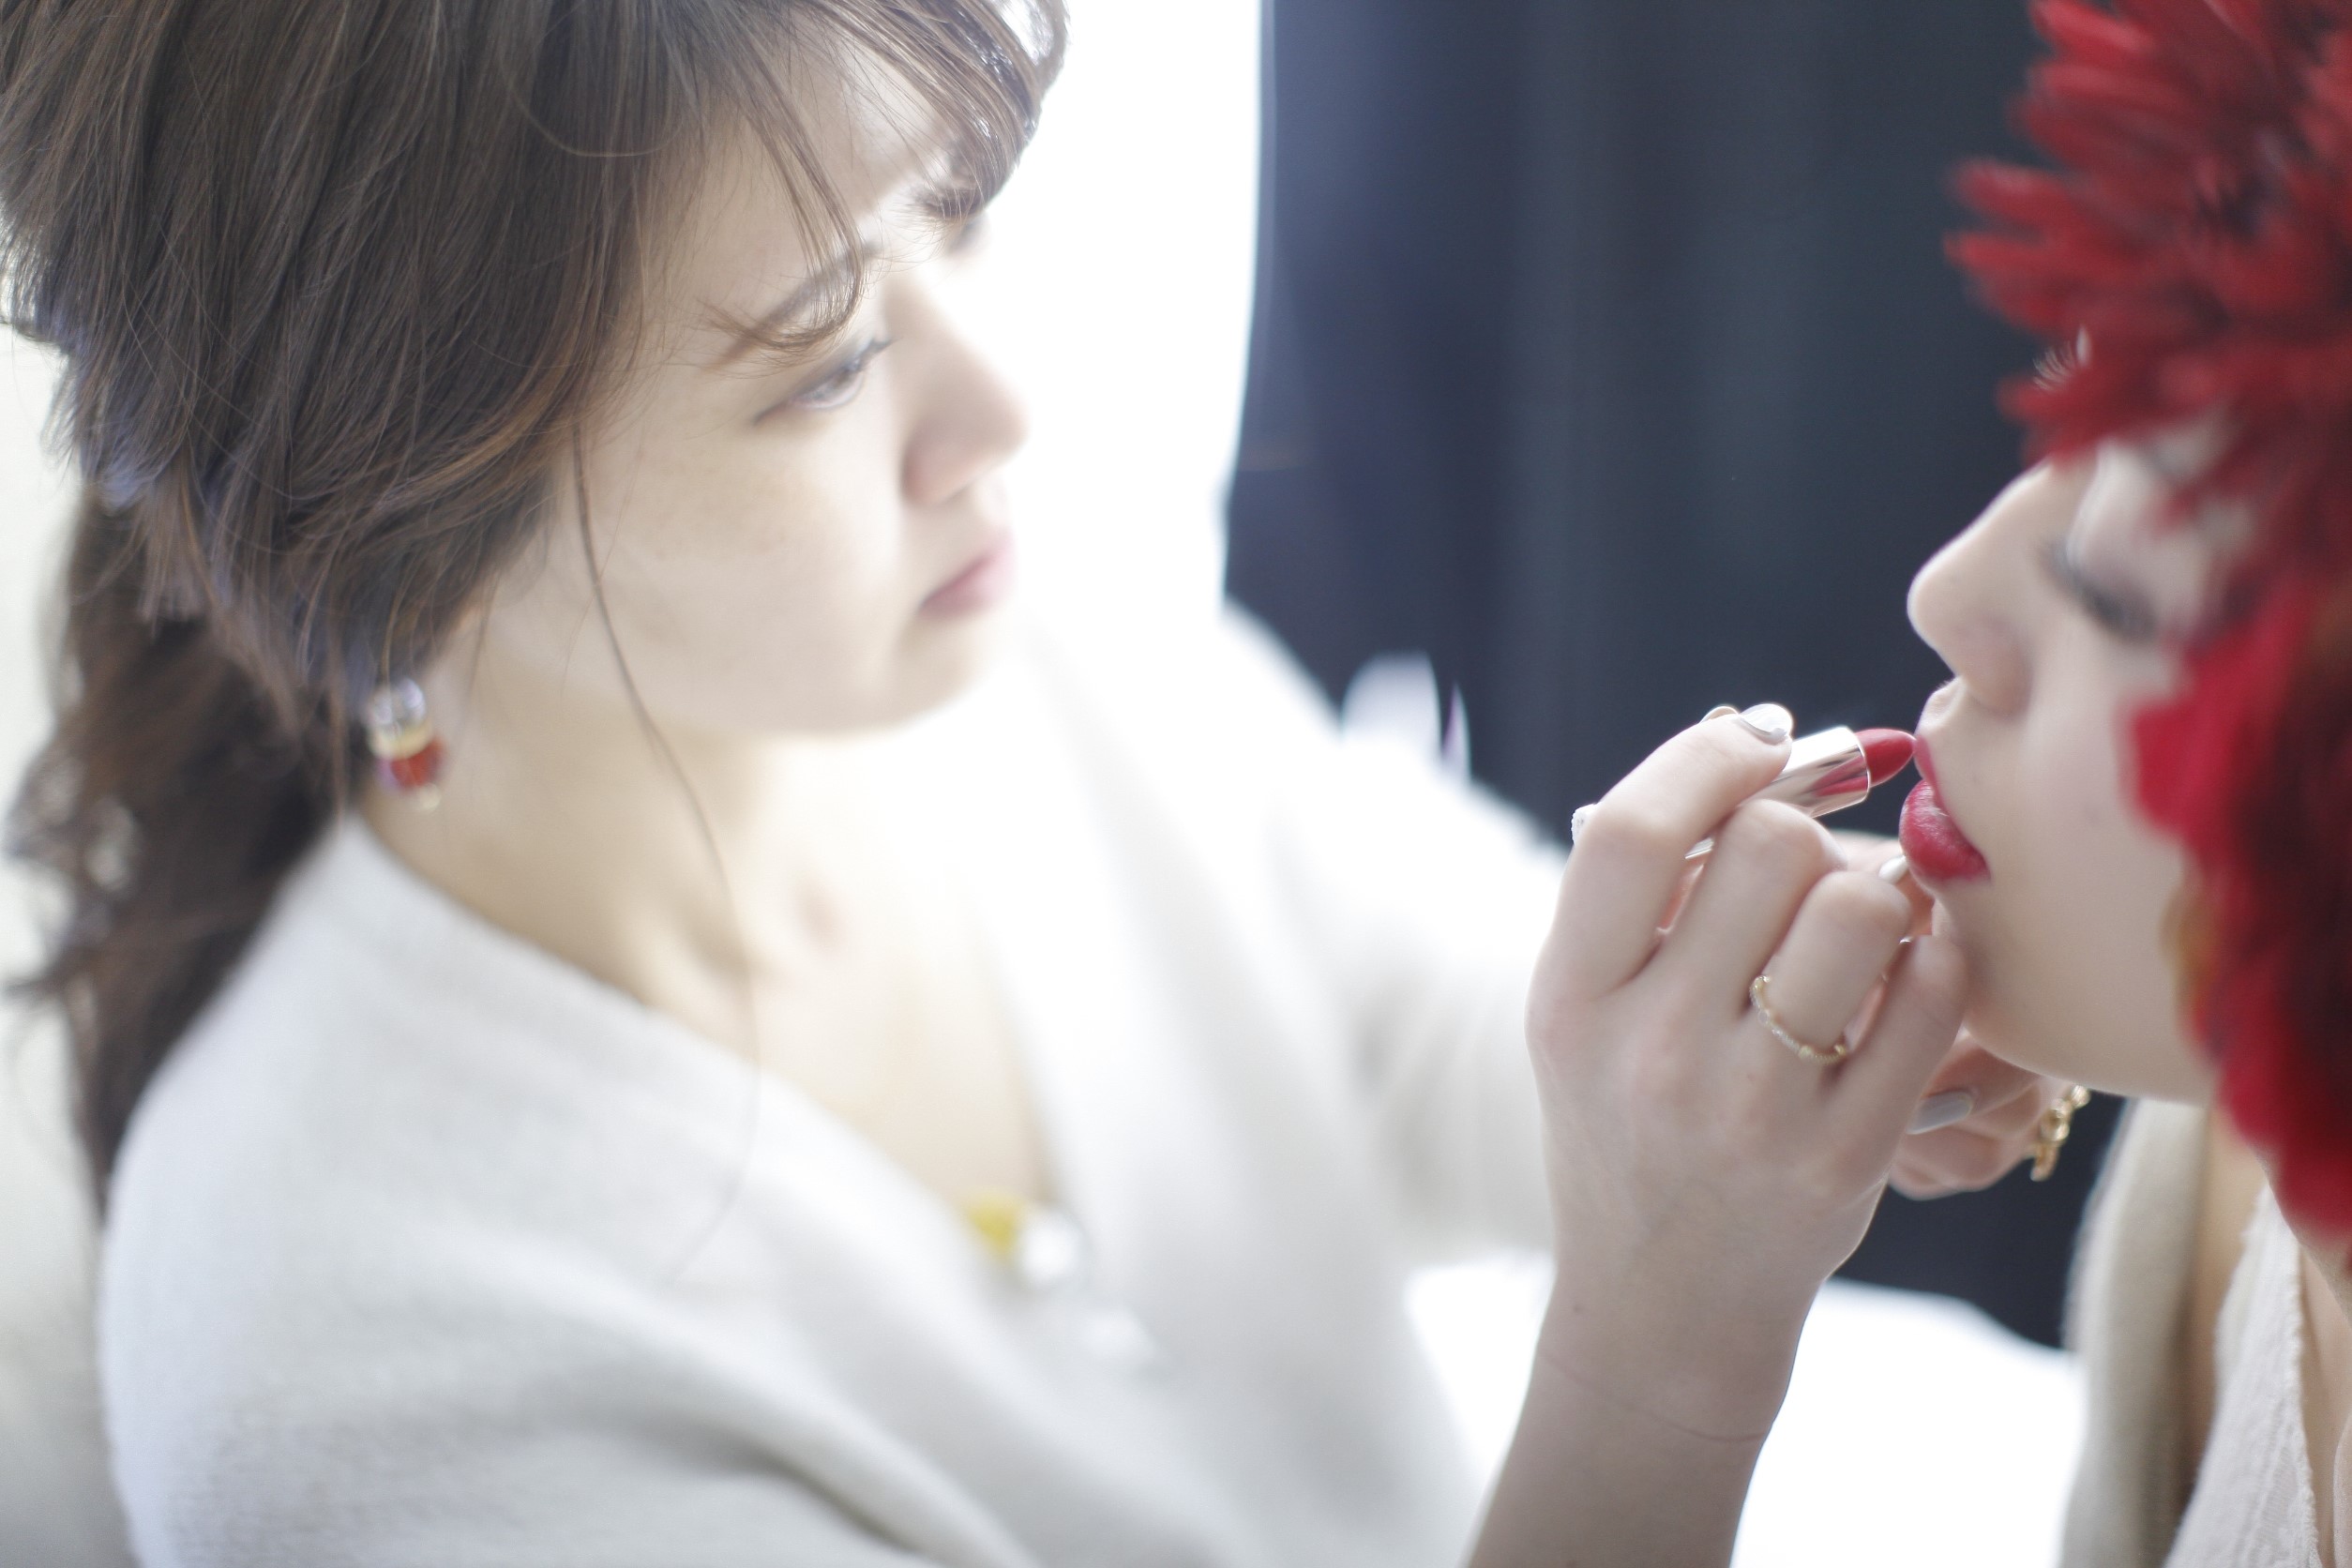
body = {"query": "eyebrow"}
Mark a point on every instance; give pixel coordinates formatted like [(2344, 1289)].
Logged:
[(943, 201), (790, 313)]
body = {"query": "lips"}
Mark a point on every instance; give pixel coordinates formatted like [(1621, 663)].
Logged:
[(983, 581), (1932, 842)]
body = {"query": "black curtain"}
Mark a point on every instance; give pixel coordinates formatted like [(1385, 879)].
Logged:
[(1606, 352)]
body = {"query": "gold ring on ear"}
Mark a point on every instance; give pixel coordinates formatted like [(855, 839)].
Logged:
[(1759, 992)]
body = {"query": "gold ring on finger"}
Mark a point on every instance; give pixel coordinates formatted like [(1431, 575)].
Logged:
[(1759, 992)]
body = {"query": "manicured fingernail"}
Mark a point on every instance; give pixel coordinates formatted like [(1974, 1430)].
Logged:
[(1894, 871), (1720, 710), (1575, 823), (1769, 721), (1942, 1110)]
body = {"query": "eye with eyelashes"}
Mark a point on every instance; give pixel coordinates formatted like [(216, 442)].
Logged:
[(2120, 615), (840, 385), (961, 233)]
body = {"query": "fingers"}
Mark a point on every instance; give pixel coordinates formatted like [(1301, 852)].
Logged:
[(1863, 851), (1883, 857), (1768, 859), (2005, 1104), (1922, 903), (1834, 957), (1958, 1159), (1967, 1158), (1913, 1031), (2002, 1095), (1627, 866), (1838, 1128)]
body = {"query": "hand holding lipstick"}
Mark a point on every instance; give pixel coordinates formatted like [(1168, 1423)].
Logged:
[(1706, 1176), (1643, 939), (1981, 1116)]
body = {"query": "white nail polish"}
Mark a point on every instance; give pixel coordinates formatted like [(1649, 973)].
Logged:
[(1943, 1111), (1769, 721), (1894, 871)]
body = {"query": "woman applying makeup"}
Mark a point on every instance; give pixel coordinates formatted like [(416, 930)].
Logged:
[(2135, 824), (627, 1006)]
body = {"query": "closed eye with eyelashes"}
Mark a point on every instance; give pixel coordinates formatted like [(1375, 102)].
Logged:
[(2121, 615)]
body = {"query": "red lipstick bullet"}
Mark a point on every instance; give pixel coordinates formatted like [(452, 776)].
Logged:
[(1887, 752)]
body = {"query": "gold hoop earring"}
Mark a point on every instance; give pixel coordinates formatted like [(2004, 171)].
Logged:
[(2056, 1127)]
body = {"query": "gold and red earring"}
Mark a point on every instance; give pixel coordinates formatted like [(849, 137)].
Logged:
[(400, 736)]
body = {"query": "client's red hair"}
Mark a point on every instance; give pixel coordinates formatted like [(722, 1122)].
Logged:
[(2195, 237)]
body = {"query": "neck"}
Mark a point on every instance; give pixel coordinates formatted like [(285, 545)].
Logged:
[(673, 868)]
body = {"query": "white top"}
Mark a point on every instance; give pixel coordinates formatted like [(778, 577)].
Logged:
[(2251, 1505), (427, 1249)]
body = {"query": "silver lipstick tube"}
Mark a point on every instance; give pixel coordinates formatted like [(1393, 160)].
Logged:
[(1827, 770)]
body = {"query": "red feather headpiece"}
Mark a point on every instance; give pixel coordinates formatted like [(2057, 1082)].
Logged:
[(2196, 233)]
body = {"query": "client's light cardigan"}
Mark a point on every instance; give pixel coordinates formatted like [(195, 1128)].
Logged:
[(427, 1249), (2251, 1503)]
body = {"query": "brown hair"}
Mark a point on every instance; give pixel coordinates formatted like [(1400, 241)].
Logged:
[(335, 283)]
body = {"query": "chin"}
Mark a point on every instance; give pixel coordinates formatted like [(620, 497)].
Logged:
[(942, 662), (2065, 1022), (2103, 1052), (957, 653)]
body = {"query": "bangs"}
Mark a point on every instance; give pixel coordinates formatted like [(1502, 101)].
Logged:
[(963, 79)]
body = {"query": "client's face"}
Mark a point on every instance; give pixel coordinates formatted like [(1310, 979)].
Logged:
[(2060, 613), (813, 543)]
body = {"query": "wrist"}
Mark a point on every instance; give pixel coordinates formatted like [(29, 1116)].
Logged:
[(1710, 1374)]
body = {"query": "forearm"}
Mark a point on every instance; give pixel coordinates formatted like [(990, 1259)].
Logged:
[(1625, 1466)]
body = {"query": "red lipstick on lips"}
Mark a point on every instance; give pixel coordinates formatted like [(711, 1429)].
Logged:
[(1932, 842)]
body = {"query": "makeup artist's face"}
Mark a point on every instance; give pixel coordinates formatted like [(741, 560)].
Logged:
[(811, 544), (2060, 612)]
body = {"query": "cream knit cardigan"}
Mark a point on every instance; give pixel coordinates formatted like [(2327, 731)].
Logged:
[(429, 1250), (2252, 1504)]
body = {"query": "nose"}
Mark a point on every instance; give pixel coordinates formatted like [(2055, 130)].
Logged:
[(968, 419), (1976, 602)]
